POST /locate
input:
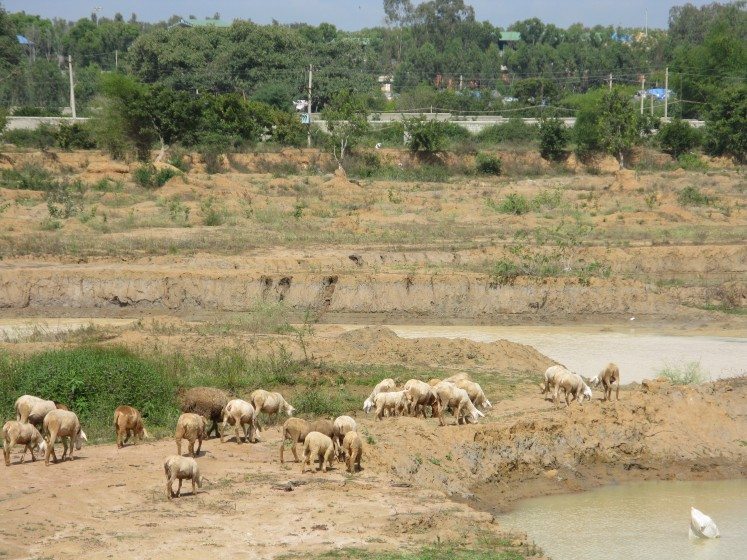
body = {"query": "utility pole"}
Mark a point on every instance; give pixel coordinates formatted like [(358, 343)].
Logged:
[(646, 23), (666, 93), (116, 60), (652, 105), (610, 80), (643, 90), (461, 81), (308, 109), (72, 85)]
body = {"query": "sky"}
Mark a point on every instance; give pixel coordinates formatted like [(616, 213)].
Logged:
[(356, 14)]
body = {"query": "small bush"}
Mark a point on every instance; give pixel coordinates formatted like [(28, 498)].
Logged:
[(73, 137), (427, 136), (316, 402), (41, 138), (212, 213), (692, 162), (148, 177), (678, 137), (28, 176), (514, 131), (514, 203), (212, 157), (28, 111), (691, 196), (553, 139), (488, 164), (685, 374), (504, 272), (586, 133)]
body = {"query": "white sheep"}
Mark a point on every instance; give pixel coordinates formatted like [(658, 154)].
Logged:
[(33, 409), (270, 403), (341, 426), (550, 374), (353, 448), (451, 396), (475, 392), (240, 414), (65, 425), (607, 377), (320, 447), (191, 427), (15, 433), (394, 402), (573, 386), (181, 468), (383, 386), (421, 395)]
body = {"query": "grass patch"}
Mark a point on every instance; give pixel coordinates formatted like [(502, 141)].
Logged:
[(148, 177), (514, 203), (691, 196), (684, 374), (494, 550)]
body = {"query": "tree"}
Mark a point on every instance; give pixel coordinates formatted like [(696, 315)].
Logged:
[(618, 125), (347, 119), (726, 124), (130, 112), (553, 139), (677, 137), (426, 135), (586, 133)]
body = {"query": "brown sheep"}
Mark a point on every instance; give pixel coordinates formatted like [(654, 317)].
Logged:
[(341, 426), (63, 424), (208, 402), (15, 432), (319, 446), (607, 377), (191, 427), (295, 430), (353, 448), (128, 423)]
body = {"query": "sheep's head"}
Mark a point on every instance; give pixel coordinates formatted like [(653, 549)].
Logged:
[(41, 446), (487, 404), (289, 410), (367, 405), (80, 439), (587, 392), (594, 381)]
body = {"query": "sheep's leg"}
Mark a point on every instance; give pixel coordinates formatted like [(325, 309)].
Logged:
[(127, 434), (179, 488), (199, 446), (23, 455), (7, 445), (179, 446), (617, 391), (238, 433), (50, 448), (223, 429), (169, 487), (119, 437), (194, 489), (191, 447)]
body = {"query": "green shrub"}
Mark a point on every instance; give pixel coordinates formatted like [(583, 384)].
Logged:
[(212, 157), (318, 402), (691, 196), (504, 272), (514, 131), (41, 138), (586, 133), (28, 111), (553, 139), (28, 176), (514, 203), (692, 162), (426, 136), (148, 177), (73, 137), (212, 213), (678, 137), (726, 123), (488, 164), (685, 374)]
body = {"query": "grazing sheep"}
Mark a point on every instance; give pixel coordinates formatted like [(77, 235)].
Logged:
[(458, 377), (270, 403), (573, 386), (353, 448), (65, 425), (475, 392), (205, 401), (15, 432), (607, 377), (32, 410), (128, 423), (394, 402), (319, 446), (341, 426), (420, 395), (181, 468), (434, 381), (295, 430), (451, 396), (240, 414), (384, 386), (550, 375), (191, 427)]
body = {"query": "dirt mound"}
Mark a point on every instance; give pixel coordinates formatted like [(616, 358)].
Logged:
[(381, 345)]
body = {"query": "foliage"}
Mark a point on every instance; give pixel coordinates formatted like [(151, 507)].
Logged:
[(691, 196), (347, 120), (514, 203), (427, 136), (28, 176), (553, 139), (684, 374), (726, 124), (488, 164), (515, 131), (41, 138), (677, 137), (149, 177), (618, 125), (73, 137), (213, 214), (587, 133)]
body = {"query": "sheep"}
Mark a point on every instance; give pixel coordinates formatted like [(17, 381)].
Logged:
[(607, 377), (341, 426), (63, 424), (191, 427), (208, 402), (320, 446), (394, 402), (420, 395), (270, 403), (573, 386), (550, 375), (128, 422), (15, 432), (384, 386), (240, 414), (458, 377), (434, 381), (295, 430), (475, 392), (353, 448), (179, 468), (32, 410), (451, 396)]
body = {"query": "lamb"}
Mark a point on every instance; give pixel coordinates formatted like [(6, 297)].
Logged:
[(208, 402), (420, 395), (128, 422), (475, 392), (607, 377), (353, 448), (341, 426), (384, 386), (550, 375), (15, 432), (270, 403), (181, 468), (451, 396), (240, 414), (32, 410), (295, 430), (320, 446), (394, 402), (63, 424), (573, 386), (191, 427)]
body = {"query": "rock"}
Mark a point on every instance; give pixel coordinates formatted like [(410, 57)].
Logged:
[(552, 473)]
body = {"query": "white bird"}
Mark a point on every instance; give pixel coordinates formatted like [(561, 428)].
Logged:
[(702, 526)]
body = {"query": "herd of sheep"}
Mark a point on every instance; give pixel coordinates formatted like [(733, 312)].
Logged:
[(322, 439)]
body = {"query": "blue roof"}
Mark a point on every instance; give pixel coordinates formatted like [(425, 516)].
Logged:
[(23, 40)]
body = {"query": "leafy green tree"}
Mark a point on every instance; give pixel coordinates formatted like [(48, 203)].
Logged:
[(726, 124), (586, 133), (553, 139), (677, 137), (618, 124), (130, 113), (347, 119), (427, 136)]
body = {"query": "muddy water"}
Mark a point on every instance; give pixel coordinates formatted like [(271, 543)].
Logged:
[(647, 520), (638, 355)]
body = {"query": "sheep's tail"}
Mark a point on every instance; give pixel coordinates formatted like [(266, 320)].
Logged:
[(116, 417), (146, 435)]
